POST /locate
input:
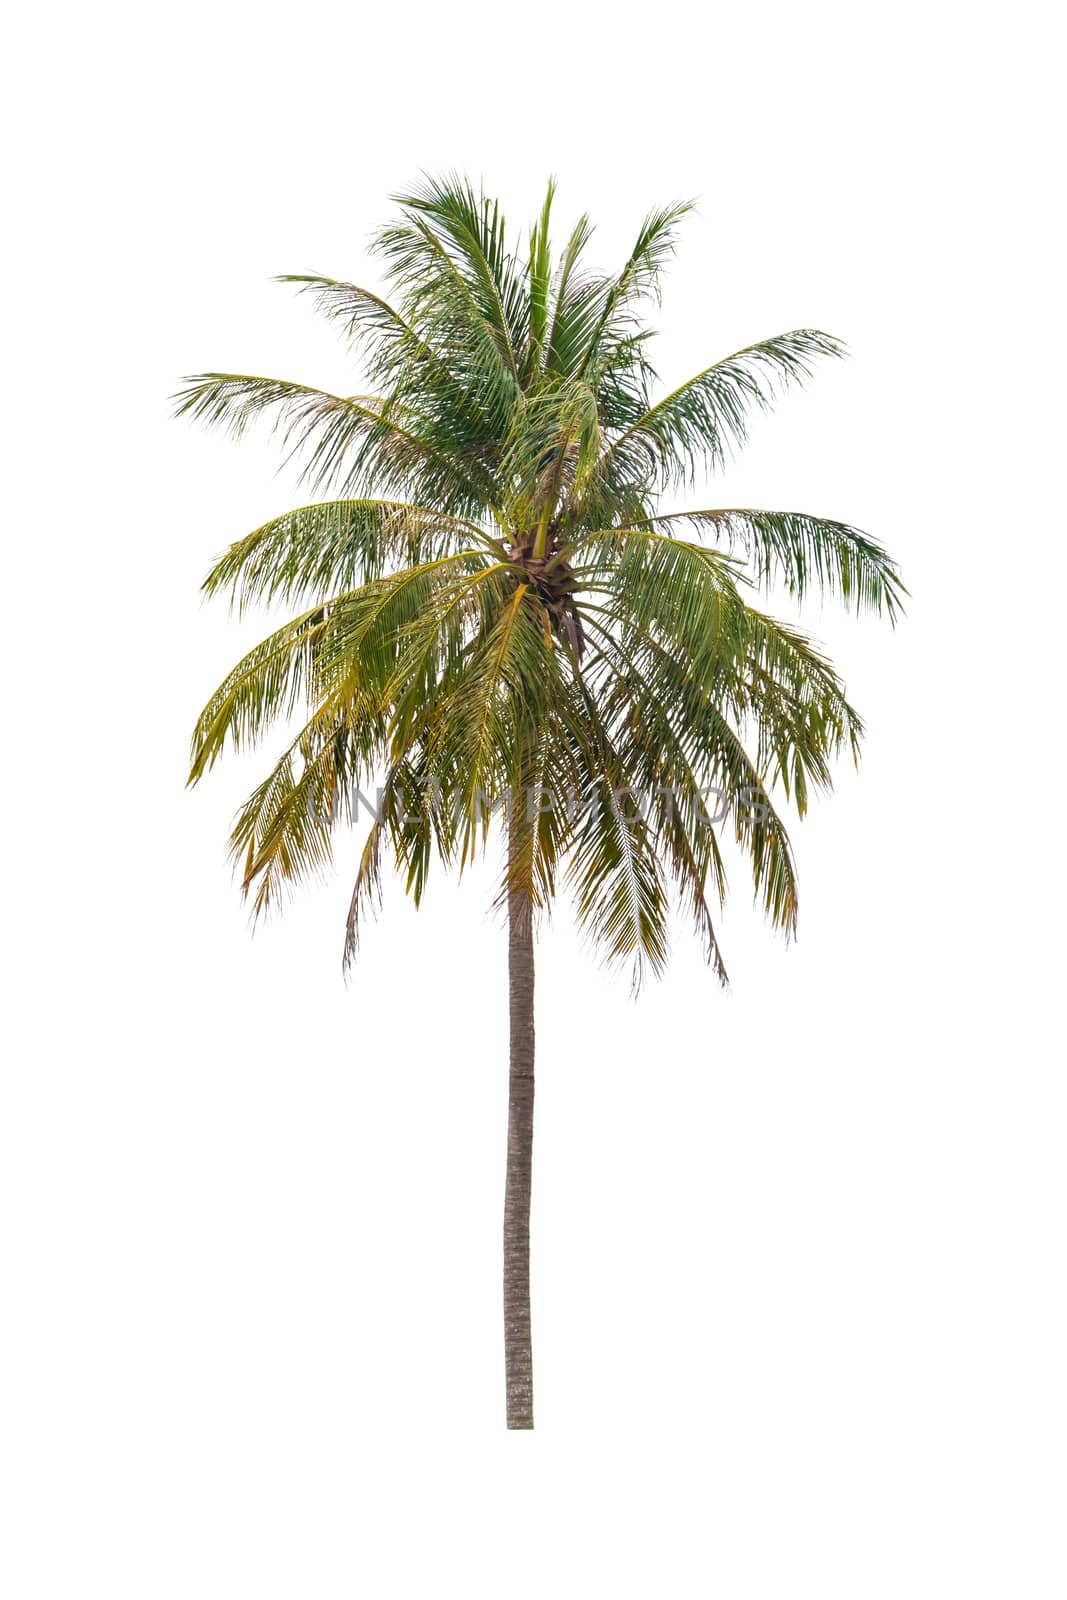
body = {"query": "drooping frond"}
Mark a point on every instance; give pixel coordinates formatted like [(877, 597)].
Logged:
[(344, 649), (683, 592), (555, 773), (806, 553), (479, 730), (439, 647), (796, 701), (407, 820), (337, 544), (620, 896), (284, 831), (367, 322), (347, 442), (369, 639), (699, 759), (684, 598), (759, 676), (366, 891), (670, 769), (267, 683)]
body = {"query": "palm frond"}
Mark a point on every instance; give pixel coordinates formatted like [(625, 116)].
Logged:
[(677, 590), (269, 681), (408, 821), (473, 227), (577, 302), (460, 292), (639, 278), (345, 441), (552, 444), (807, 553), (480, 728), (438, 646), (654, 753), (703, 418), (620, 897), (339, 543), (284, 831), (365, 319), (539, 285)]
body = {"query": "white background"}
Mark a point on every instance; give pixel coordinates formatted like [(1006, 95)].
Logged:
[(799, 1308)]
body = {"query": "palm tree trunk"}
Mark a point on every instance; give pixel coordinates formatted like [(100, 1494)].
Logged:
[(518, 1352)]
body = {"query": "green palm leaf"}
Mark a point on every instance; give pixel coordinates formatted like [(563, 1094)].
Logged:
[(702, 420), (805, 553), (339, 543)]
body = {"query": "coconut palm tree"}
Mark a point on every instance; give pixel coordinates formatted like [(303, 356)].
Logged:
[(495, 615)]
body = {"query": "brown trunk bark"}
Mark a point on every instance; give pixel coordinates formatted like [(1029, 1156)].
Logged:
[(518, 1352)]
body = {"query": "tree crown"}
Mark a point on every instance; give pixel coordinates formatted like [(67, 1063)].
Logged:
[(493, 605)]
